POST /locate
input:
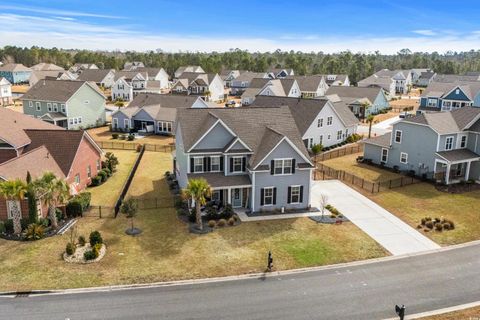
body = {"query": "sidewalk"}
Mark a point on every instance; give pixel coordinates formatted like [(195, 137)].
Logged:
[(389, 231)]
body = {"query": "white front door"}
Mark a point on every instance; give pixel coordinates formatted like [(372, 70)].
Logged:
[(236, 198)]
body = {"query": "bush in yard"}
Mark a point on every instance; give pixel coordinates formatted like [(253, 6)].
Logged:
[(70, 248), (222, 223), (78, 204), (108, 172), (96, 181), (423, 221), (114, 135), (429, 224), (24, 223), (8, 224), (89, 255), (103, 175), (81, 241), (446, 226), (96, 249), (59, 214), (2, 227), (231, 221), (111, 161), (438, 226), (44, 222), (34, 232), (138, 148), (228, 212), (180, 203), (211, 223), (95, 237), (131, 137)]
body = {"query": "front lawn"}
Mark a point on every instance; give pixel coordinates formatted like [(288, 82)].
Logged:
[(349, 164), (467, 314), (414, 202)]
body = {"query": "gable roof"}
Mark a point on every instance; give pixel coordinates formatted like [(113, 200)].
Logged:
[(332, 78), (441, 89), (14, 67), (381, 141), (151, 72), (307, 83), (57, 90), (447, 122), (354, 92), (249, 76), (256, 127), (94, 75), (46, 67), (129, 75)]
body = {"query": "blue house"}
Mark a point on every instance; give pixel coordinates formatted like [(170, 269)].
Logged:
[(447, 96), (15, 73)]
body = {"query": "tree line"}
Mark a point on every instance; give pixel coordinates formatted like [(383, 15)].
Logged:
[(356, 65)]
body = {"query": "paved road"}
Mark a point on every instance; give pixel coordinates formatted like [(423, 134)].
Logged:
[(367, 291), (392, 233)]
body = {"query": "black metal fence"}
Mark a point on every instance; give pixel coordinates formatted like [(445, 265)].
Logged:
[(155, 203), (99, 212), (117, 145)]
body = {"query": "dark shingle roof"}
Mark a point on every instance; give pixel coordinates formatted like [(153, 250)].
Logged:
[(354, 92), (166, 101), (219, 180), (53, 90), (307, 83), (95, 75), (447, 122), (458, 155), (382, 141)]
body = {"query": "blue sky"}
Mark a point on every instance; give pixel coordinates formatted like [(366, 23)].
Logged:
[(264, 25)]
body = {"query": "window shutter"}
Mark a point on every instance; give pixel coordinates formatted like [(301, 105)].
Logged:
[(192, 167), (205, 164), (244, 163), (274, 196), (221, 163), (289, 195), (262, 194), (221, 196), (231, 164), (272, 167), (293, 165), (301, 193), (209, 160)]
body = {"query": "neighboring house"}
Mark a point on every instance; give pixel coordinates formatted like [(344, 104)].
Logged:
[(65, 103), (361, 101), (280, 73), (468, 77), (128, 66), (153, 113), (156, 74), (242, 82), (15, 73), (319, 121), (447, 96), (102, 77), (444, 146), (128, 84), (34, 146), (67, 75), (253, 158), (229, 75), (6, 97), (79, 67), (425, 78), (392, 81), (180, 70), (208, 85), (270, 87), (416, 73), (336, 79), (311, 86), (41, 75), (46, 67)]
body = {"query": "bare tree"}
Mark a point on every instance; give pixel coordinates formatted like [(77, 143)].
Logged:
[(323, 203)]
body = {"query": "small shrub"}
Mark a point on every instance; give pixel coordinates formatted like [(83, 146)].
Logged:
[(81, 241), (227, 212), (95, 237), (59, 214), (34, 232), (222, 223), (423, 221), (2, 227), (70, 248), (96, 249), (446, 226), (108, 172), (333, 216), (96, 181), (236, 217), (103, 175), (114, 135), (419, 226), (429, 224), (8, 226), (131, 137), (438, 226), (138, 148), (211, 223), (231, 221), (428, 219), (44, 222), (89, 255)]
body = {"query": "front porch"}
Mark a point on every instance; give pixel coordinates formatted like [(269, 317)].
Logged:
[(56, 118), (454, 166)]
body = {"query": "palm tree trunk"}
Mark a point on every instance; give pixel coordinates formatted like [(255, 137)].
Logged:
[(53, 216), (198, 215), (369, 129), (131, 221), (17, 216)]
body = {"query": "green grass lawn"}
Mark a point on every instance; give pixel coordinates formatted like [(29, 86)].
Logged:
[(349, 164), (467, 314), (107, 193), (414, 202)]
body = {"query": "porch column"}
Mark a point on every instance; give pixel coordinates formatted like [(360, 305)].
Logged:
[(229, 196), (467, 170), (447, 176)]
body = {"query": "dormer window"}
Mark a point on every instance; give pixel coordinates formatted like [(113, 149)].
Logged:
[(283, 166)]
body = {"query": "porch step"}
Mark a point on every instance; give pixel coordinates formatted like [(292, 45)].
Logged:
[(67, 226)]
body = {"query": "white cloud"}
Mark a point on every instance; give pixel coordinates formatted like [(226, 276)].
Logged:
[(58, 12), (425, 32)]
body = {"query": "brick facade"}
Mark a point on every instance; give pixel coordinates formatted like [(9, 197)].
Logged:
[(87, 155)]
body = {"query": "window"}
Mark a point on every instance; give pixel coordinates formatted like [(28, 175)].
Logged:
[(99, 164), (30, 104), (398, 136), (89, 171), (449, 143), (126, 123), (457, 91), (215, 164), (79, 120), (329, 121), (320, 122), (268, 196), (384, 155), (71, 121), (237, 164), (404, 157), (282, 166), (49, 107), (62, 107), (328, 137), (164, 126), (295, 194), (321, 139), (38, 106), (310, 143), (432, 102), (77, 178), (55, 107), (463, 142), (75, 121), (198, 164), (339, 135)]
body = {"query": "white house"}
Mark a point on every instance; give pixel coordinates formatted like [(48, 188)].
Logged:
[(208, 85), (129, 83), (5, 92)]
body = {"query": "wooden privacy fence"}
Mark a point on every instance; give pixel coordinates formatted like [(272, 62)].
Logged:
[(155, 203), (339, 152), (117, 145), (99, 212), (327, 173)]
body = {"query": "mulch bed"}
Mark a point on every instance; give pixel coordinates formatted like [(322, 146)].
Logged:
[(458, 188), (49, 232), (329, 220), (78, 257)]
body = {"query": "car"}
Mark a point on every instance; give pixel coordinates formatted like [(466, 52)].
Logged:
[(230, 103)]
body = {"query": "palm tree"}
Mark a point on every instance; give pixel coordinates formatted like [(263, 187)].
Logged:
[(198, 190), (370, 119), (14, 191), (54, 192)]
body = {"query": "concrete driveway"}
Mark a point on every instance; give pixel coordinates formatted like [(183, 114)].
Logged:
[(392, 233)]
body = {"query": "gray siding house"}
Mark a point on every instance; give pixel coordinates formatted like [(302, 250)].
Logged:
[(65, 103), (253, 158), (361, 101), (444, 146)]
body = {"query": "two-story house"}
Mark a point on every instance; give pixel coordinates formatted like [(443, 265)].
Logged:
[(253, 158), (392, 81), (336, 79), (311, 86), (270, 87), (319, 121), (155, 75), (229, 75), (447, 96), (15, 73), (361, 101), (444, 146), (153, 113), (183, 69), (102, 77), (280, 73), (34, 146), (242, 82), (65, 103), (6, 97), (208, 85), (128, 84)]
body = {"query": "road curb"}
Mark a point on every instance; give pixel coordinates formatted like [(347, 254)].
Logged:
[(440, 311), (259, 275)]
